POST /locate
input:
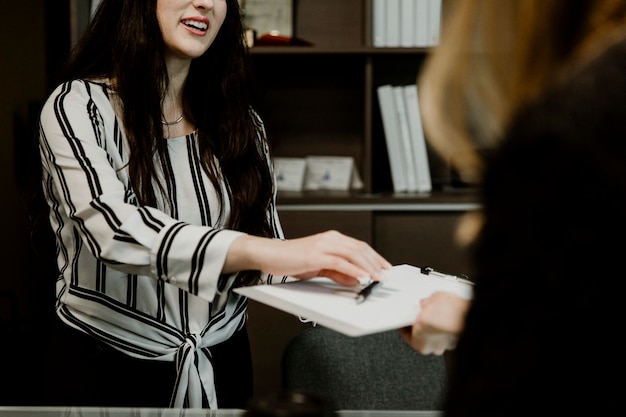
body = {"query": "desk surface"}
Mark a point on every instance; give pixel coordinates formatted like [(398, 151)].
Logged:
[(170, 412)]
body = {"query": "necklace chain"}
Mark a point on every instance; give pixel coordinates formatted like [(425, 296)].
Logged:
[(166, 123)]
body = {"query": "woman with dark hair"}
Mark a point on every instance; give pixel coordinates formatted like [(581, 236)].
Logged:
[(159, 180)]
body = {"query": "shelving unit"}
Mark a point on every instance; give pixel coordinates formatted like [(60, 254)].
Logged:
[(321, 100)]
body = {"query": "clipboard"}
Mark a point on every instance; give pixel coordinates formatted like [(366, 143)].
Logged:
[(392, 305)]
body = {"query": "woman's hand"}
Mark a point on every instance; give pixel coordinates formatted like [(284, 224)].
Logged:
[(438, 324), (330, 254)]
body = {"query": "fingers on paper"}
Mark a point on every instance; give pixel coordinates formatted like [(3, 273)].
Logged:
[(364, 257)]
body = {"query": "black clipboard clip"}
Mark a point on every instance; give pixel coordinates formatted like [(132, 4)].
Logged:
[(427, 270)]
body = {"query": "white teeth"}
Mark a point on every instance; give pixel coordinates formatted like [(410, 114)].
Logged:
[(196, 25)]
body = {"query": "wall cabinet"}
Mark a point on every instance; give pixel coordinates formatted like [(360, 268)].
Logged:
[(420, 234)]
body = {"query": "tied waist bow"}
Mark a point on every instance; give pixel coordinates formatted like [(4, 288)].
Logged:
[(194, 369)]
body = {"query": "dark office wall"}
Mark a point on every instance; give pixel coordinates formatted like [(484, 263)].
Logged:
[(34, 41), (22, 75)]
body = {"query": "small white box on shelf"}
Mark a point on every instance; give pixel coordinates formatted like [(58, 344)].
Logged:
[(289, 173), (330, 173)]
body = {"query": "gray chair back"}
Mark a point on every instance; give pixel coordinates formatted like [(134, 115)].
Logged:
[(373, 372)]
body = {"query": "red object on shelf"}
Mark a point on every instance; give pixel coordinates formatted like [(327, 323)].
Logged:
[(276, 40)]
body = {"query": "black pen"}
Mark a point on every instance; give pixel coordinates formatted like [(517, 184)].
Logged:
[(365, 292)]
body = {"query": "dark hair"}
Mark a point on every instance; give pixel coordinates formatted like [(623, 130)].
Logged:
[(124, 42)]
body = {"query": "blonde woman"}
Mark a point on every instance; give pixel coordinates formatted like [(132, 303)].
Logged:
[(528, 99)]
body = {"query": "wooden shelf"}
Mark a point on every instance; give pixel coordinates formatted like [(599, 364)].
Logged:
[(462, 199), (315, 50)]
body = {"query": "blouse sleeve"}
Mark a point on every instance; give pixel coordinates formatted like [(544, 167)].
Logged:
[(84, 158)]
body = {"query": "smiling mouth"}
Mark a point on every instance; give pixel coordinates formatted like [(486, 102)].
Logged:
[(193, 24)]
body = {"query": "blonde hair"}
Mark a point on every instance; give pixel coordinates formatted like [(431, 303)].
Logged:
[(494, 56)]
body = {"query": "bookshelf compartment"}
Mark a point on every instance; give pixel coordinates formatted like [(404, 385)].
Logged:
[(435, 245), (331, 23), (357, 224), (313, 105)]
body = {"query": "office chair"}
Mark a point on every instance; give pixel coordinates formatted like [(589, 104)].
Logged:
[(373, 372)]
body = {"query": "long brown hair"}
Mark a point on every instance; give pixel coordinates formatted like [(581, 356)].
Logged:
[(123, 42)]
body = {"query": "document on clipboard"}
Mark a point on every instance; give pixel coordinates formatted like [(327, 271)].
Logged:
[(393, 304)]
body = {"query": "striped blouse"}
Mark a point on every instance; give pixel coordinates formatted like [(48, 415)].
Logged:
[(144, 280)]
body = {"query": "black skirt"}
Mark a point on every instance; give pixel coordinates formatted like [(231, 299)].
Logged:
[(82, 371)]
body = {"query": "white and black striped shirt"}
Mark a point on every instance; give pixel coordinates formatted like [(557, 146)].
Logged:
[(145, 280)]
